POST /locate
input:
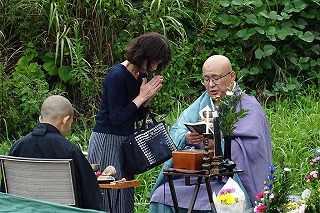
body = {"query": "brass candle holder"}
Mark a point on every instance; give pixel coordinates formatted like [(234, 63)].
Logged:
[(217, 165), (206, 159)]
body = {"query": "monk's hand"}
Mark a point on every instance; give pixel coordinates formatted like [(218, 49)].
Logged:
[(194, 138)]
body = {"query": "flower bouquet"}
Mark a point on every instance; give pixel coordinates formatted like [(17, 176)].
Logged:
[(275, 198), (230, 198), (313, 187)]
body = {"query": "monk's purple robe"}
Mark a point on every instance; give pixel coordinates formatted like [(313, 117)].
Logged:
[(251, 150)]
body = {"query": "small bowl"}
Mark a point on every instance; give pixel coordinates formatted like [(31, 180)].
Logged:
[(95, 167)]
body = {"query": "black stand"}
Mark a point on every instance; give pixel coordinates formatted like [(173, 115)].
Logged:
[(201, 174)]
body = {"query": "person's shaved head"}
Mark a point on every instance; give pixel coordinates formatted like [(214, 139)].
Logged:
[(56, 107), (218, 63)]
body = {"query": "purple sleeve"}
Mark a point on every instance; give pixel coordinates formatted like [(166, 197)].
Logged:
[(251, 147)]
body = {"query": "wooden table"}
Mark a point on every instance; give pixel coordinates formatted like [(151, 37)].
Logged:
[(199, 174), (118, 185)]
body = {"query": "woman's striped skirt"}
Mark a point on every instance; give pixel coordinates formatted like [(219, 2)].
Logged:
[(105, 150)]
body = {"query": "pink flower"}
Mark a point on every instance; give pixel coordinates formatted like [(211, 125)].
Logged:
[(314, 174), (261, 208), (260, 195), (227, 191)]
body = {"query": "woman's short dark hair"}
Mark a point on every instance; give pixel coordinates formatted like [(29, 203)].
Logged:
[(150, 47)]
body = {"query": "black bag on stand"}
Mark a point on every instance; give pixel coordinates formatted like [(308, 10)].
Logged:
[(147, 147)]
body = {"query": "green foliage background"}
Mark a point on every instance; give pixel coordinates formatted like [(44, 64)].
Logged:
[(67, 46)]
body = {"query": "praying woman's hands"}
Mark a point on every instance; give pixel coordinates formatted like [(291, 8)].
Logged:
[(148, 90)]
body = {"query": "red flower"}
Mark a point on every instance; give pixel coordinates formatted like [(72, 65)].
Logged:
[(261, 208), (260, 195)]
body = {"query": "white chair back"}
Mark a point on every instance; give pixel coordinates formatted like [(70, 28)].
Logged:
[(41, 179)]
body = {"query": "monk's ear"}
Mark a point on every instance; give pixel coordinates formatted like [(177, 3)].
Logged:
[(233, 76), (65, 119), (40, 119)]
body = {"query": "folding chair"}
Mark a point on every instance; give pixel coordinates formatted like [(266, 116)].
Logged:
[(41, 179)]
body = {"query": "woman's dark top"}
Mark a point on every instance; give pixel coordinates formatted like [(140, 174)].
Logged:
[(117, 113)]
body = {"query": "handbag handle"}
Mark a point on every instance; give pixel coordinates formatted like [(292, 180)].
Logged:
[(144, 122)]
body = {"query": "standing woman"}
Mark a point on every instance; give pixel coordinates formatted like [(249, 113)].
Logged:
[(126, 97)]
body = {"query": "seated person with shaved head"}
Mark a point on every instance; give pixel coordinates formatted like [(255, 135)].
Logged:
[(251, 143), (47, 140)]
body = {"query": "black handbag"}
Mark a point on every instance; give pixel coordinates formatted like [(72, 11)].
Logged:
[(147, 147)]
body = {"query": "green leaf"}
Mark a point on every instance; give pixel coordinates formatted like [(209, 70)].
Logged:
[(268, 50), (222, 34), (298, 33), (316, 48), (34, 70), (49, 56), (273, 15), (293, 58), (50, 68), (224, 3), (251, 18), (259, 30), (308, 36), (249, 33), (254, 71), (299, 5), (303, 60), (285, 15), (242, 33), (291, 86), (282, 34), (288, 8), (301, 23), (244, 72), (64, 73), (259, 53), (257, 3), (313, 63), (264, 13), (271, 30), (224, 19), (272, 37), (261, 21)]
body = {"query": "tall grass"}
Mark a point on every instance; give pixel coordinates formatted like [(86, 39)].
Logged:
[(295, 130)]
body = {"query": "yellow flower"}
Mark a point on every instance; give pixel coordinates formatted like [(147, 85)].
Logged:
[(292, 205), (226, 199)]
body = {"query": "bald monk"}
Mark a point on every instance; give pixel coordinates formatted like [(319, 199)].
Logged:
[(47, 140), (251, 143)]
